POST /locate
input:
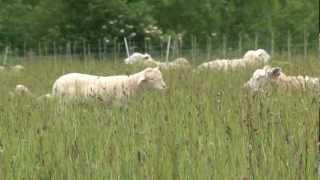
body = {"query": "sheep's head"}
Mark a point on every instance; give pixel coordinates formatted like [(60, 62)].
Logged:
[(21, 90), (262, 76), (147, 56), (257, 56), (152, 79), (263, 56)]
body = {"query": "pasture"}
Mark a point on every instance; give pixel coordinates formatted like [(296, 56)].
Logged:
[(204, 127)]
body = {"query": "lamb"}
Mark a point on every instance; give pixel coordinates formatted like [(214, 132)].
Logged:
[(252, 58), (137, 57), (20, 90), (23, 91), (261, 77), (108, 88)]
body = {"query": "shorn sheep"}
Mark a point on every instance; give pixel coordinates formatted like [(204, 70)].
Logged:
[(262, 77), (137, 58), (252, 58), (108, 88)]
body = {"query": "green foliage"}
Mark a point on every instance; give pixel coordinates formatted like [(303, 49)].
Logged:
[(91, 20)]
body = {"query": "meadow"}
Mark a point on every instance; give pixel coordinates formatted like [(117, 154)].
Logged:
[(206, 126)]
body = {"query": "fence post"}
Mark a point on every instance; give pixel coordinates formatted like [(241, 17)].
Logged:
[(174, 47), (209, 47), (180, 44), (192, 48), (305, 44), (224, 45), (168, 49), (39, 49), (319, 46), (54, 51), (46, 49), (256, 40), (272, 43), (114, 49), (84, 49), (289, 45), (74, 49), (24, 49), (127, 47), (240, 44), (5, 56), (89, 51), (104, 42)]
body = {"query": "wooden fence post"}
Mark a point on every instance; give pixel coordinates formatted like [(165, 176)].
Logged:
[(240, 44), (289, 45), (305, 44)]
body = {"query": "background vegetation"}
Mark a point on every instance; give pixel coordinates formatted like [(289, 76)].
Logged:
[(27, 22)]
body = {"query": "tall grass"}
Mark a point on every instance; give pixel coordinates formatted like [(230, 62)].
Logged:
[(204, 127)]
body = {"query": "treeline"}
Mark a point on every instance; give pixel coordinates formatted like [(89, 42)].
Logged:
[(27, 22)]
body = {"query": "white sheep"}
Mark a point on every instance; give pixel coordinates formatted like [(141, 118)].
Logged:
[(175, 64), (20, 90), (17, 68), (262, 77), (108, 88), (137, 57), (252, 58), (257, 57), (224, 64)]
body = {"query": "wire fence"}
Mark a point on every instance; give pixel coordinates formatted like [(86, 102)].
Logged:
[(193, 48)]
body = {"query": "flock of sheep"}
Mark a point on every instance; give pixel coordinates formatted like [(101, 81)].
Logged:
[(121, 87)]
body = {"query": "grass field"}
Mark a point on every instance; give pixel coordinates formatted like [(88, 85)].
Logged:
[(204, 127)]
